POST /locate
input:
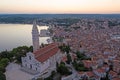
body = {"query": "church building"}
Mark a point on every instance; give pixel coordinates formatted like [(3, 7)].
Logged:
[(42, 61)]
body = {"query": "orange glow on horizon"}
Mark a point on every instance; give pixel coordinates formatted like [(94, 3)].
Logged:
[(59, 6)]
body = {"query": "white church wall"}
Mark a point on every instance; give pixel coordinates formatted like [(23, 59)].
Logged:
[(30, 58), (45, 65), (58, 57), (52, 61), (31, 64), (36, 66), (24, 61)]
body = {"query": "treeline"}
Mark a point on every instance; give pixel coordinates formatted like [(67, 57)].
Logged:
[(16, 20), (12, 56), (67, 18)]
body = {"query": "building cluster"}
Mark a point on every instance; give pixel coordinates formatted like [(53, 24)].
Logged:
[(99, 39)]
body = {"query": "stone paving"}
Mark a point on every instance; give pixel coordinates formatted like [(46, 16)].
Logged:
[(13, 72)]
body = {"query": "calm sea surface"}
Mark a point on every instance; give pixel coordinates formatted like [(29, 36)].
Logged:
[(14, 35)]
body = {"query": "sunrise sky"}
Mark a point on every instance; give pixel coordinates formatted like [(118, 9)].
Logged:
[(59, 6)]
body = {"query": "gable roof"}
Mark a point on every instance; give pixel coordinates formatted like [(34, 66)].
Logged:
[(46, 52)]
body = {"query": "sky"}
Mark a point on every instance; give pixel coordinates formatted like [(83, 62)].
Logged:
[(60, 6)]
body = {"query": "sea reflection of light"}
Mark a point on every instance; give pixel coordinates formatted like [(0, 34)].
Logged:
[(14, 35)]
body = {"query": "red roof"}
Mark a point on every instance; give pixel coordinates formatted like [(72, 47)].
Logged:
[(112, 73), (116, 78), (46, 52), (88, 63), (100, 70), (64, 59), (90, 74)]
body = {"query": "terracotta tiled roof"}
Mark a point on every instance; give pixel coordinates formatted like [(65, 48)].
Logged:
[(64, 59), (74, 56), (112, 73), (116, 78), (100, 70), (46, 52), (42, 50), (81, 73), (88, 63), (105, 67), (90, 74)]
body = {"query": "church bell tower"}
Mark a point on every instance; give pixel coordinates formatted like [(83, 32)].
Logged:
[(35, 37)]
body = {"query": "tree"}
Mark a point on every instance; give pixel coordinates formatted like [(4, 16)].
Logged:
[(6, 54), (3, 54), (4, 61), (31, 48), (2, 76), (82, 56), (53, 73), (79, 55), (79, 66), (48, 78), (69, 58), (85, 77), (65, 48), (106, 77), (111, 67), (2, 68), (42, 45), (39, 79), (18, 57), (20, 52), (63, 70)]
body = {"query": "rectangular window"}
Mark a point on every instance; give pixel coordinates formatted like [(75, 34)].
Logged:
[(26, 65), (30, 57), (30, 66)]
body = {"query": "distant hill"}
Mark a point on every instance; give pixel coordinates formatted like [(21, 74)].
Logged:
[(28, 18)]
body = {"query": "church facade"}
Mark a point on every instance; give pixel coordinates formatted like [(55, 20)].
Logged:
[(42, 61)]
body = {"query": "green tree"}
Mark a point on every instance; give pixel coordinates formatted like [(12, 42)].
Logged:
[(65, 48), (31, 48), (2, 76), (2, 68), (79, 66), (106, 77), (69, 58), (39, 79), (48, 78), (53, 74), (20, 52), (111, 67), (63, 70), (4, 61), (82, 56)]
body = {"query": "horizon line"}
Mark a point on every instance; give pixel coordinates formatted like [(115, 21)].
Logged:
[(59, 13)]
